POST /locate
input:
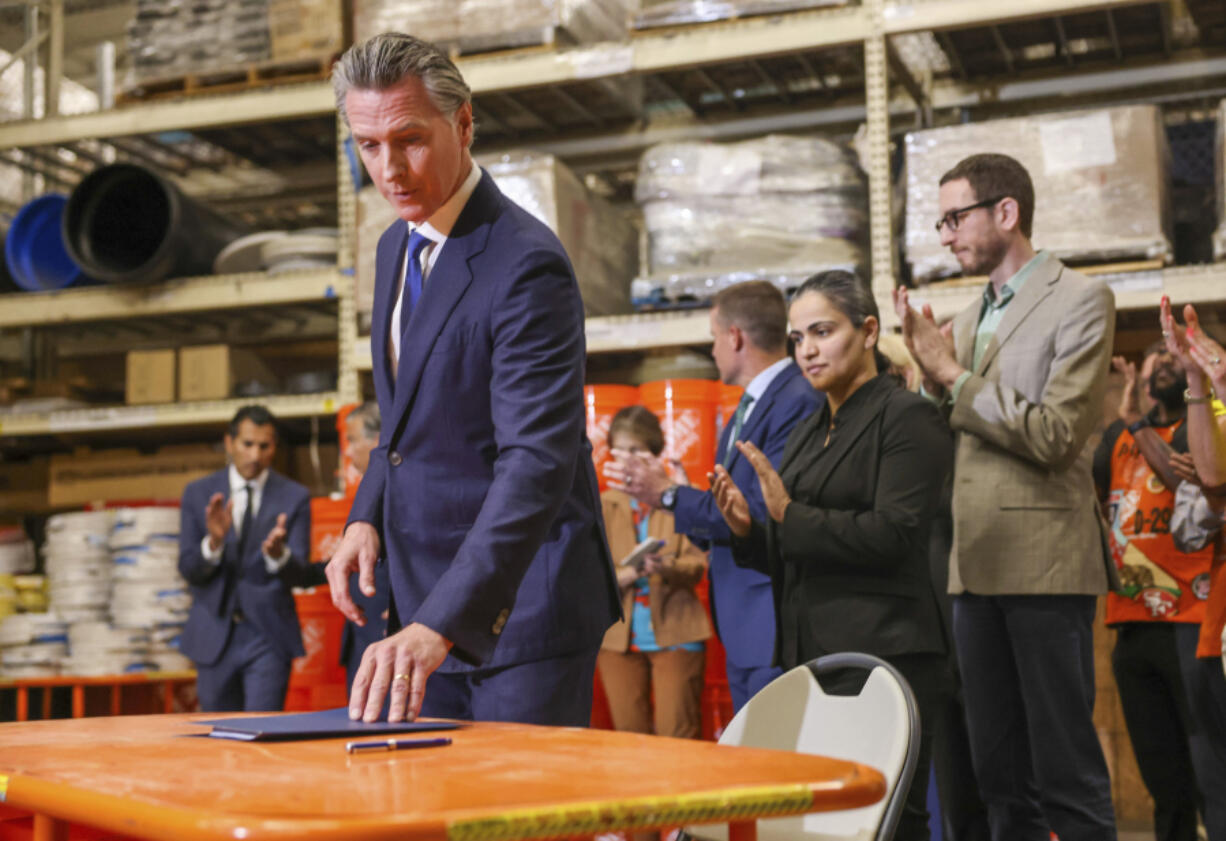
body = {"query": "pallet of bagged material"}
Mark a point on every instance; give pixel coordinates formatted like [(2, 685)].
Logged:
[(230, 79), (656, 17), (1092, 270)]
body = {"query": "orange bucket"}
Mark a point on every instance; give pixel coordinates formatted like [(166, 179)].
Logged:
[(601, 403), (687, 410), (328, 518), (317, 680), (349, 474)]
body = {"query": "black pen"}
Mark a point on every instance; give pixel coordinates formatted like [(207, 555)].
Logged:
[(397, 744)]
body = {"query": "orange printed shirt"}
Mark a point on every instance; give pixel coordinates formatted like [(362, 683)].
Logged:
[(1160, 583)]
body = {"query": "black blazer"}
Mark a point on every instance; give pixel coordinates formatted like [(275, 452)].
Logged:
[(849, 562)]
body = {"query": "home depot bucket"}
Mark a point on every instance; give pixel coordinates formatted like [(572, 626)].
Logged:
[(687, 410)]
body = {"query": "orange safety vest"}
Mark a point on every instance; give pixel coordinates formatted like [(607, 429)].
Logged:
[(1160, 583)]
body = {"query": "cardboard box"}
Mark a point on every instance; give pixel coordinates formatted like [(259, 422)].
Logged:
[(210, 372), (89, 476), (23, 485), (306, 28), (150, 376)]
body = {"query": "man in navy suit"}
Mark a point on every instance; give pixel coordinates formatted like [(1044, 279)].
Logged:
[(362, 436), (749, 344), (243, 543), (481, 494)]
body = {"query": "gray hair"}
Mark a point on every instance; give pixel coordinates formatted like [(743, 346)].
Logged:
[(368, 414), (386, 60)]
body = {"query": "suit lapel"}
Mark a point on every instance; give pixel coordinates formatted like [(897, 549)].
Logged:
[(1040, 284), (964, 334), (761, 409), (847, 438), (799, 439), (449, 280), (387, 261)]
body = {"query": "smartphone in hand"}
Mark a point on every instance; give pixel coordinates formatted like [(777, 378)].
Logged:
[(640, 552)]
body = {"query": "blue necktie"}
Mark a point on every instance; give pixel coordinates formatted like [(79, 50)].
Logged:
[(412, 278)]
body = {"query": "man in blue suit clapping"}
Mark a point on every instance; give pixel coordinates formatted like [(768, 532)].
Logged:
[(244, 542), (749, 344), (481, 494)]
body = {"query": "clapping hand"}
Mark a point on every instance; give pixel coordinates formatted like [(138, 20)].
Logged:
[(773, 492), (274, 544), (218, 518), (1130, 409), (932, 346), (731, 502)]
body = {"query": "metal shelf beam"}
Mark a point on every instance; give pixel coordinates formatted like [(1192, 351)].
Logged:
[(170, 414), (198, 294), (920, 15)]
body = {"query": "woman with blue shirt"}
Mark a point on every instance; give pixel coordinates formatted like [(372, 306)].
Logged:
[(657, 649)]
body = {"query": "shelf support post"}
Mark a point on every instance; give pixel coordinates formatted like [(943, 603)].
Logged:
[(877, 117)]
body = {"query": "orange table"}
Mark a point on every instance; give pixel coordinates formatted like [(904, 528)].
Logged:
[(168, 681), (145, 777)]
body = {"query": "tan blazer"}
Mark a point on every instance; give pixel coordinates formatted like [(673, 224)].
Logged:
[(677, 616), (1025, 516)]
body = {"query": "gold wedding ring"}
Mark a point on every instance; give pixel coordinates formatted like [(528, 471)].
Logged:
[(402, 676)]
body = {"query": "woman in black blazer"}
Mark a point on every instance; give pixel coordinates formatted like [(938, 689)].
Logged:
[(850, 509)]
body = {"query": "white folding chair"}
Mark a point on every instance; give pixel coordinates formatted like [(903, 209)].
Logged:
[(880, 728)]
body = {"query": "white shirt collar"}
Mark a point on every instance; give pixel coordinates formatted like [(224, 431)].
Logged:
[(759, 384), (237, 482), (438, 227)]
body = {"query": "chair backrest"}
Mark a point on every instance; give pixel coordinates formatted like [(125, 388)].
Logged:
[(879, 728)]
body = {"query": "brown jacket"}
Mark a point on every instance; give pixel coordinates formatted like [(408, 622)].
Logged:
[(677, 616)]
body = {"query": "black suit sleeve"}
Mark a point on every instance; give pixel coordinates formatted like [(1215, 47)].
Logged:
[(915, 455)]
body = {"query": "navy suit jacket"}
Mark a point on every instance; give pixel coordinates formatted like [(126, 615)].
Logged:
[(482, 488), (265, 600), (742, 602)]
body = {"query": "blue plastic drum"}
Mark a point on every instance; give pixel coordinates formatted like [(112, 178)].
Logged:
[(34, 247)]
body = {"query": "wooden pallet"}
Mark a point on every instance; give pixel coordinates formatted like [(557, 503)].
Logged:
[(643, 24), (530, 41), (1096, 269), (230, 80)]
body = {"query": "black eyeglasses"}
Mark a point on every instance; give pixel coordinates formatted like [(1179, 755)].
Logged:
[(954, 218)]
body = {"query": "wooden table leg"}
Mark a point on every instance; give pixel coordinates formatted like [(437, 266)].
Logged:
[(47, 828), (46, 703), (23, 703), (78, 701), (115, 705), (742, 831)]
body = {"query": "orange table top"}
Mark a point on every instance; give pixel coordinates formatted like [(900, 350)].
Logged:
[(145, 776)]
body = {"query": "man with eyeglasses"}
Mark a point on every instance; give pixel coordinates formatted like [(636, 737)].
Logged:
[(1022, 383)]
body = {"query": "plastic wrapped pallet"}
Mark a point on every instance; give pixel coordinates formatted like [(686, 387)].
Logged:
[(437, 21), (1100, 181), (1219, 236), (494, 24), (601, 242), (168, 38), (677, 12), (777, 208)]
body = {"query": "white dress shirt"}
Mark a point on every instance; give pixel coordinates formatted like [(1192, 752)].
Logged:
[(436, 229), (238, 498)]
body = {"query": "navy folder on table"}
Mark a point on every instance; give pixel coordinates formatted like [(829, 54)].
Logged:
[(325, 724)]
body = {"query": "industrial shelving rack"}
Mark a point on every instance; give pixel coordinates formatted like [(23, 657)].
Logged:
[(791, 71)]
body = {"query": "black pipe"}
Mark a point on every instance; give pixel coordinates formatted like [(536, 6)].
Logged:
[(127, 224)]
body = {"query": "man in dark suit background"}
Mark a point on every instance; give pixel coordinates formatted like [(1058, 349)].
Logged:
[(362, 435), (481, 495), (749, 343), (243, 543)]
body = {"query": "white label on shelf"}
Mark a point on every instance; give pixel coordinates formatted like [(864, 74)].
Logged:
[(595, 62), (90, 419), (1077, 142), (728, 171)]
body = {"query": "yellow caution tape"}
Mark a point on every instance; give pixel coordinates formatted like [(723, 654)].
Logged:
[(608, 816)]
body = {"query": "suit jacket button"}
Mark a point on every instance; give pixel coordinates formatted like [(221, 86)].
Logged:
[(394, 458)]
